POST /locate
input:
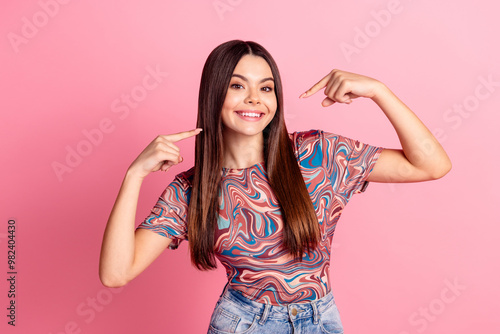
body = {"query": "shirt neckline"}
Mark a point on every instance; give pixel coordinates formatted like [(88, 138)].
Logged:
[(236, 170)]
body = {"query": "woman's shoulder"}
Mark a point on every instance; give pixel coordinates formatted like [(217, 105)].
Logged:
[(301, 137), (185, 178)]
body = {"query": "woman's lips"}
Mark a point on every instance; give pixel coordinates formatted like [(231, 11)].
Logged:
[(250, 116)]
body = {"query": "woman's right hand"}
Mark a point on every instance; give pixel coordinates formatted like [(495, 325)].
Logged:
[(160, 154)]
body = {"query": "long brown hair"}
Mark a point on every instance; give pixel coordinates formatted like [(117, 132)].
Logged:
[(301, 230)]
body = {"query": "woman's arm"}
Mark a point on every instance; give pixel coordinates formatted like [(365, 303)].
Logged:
[(422, 158), (125, 253)]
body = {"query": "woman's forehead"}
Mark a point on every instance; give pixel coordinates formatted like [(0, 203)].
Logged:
[(253, 67)]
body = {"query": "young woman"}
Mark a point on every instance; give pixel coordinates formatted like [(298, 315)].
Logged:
[(262, 201)]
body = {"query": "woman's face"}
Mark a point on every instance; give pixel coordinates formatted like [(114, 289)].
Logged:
[(250, 102)]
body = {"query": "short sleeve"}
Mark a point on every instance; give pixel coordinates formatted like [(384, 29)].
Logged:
[(352, 160), (169, 215), (346, 162)]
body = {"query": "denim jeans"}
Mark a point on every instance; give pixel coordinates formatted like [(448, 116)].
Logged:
[(235, 313)]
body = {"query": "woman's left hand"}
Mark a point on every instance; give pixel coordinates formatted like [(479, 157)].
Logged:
[(343, 87)]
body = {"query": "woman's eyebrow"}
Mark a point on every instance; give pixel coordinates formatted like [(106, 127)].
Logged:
[(245, 79)]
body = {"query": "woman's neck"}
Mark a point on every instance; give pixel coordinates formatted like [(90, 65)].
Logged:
[(242, 151)]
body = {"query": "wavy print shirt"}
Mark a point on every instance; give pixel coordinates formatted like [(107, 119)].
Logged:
[(249, 227)]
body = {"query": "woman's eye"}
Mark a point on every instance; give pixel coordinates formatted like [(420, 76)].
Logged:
[(237, 86), (267, 89)]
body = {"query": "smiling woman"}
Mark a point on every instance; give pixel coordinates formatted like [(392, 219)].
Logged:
[(249, 106), (242, 77), (262, 201)]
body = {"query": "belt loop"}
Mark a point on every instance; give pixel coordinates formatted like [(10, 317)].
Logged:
[(262, 321), (315, 310)]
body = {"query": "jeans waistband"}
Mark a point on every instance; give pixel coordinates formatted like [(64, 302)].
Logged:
[(291, 311)]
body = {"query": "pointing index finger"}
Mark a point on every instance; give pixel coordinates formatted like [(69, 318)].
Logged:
[(319, 85), (185, 134)]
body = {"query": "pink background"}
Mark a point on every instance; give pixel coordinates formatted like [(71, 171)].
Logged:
[(407, 258)]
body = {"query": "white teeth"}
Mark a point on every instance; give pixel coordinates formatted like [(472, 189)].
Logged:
[(247, 114)]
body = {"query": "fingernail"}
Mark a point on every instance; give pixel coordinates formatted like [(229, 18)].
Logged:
[(302, 95)]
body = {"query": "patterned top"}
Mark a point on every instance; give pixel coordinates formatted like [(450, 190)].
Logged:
[(249, 227)]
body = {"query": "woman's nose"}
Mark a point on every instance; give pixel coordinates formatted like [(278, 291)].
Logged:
[(253, 97)]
